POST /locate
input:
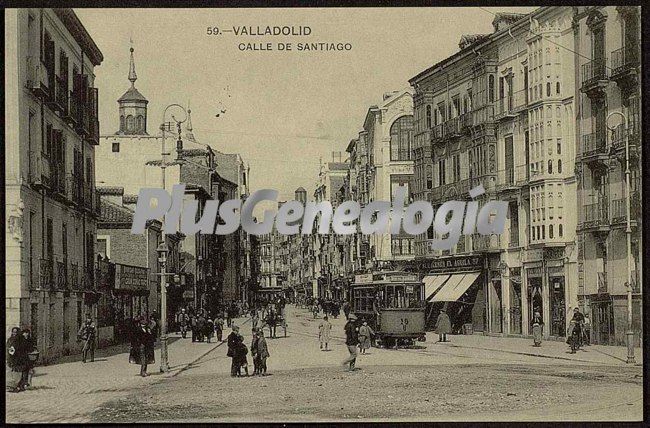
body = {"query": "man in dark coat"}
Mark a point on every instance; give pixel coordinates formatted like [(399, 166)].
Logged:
[(142, 346), (200, 327), (443, 326), (183, 320), (346, 310), (234, 342), (351, 341)]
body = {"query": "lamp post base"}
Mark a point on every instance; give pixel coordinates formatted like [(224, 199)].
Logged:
[(164, 360), (629, 336)]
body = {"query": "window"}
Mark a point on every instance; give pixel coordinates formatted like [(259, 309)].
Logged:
[(559, 230), (491, 88), (122, 125), (400, 138), (557, 88), (455, 168), (428, 116), (116, 147), (130, 124), (548, 89), (543, 232), (429, 176), (550, 231), (442, 176), (140, 121), (559, 166), (559, 146)]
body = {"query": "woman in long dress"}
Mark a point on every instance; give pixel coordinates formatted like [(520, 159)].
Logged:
[(324, 329), (537, 329), (365, 334)]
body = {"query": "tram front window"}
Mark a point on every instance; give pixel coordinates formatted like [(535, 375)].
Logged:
[(403, 296)]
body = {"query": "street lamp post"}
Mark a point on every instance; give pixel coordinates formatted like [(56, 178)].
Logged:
[(629, 336), (163, 250)]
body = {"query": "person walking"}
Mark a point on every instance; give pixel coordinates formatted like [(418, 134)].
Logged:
[(324, 329), (346, 309), (261, 353), (88, 333), (200, 327), (209, 328), (587, 330), (32, 354), (351, 341), (193, 321), (16, 358), (443, 326), (254, 319), (183, 320), (218, 326), (537, 329), (271, 321), (142, 349), (365, 334), (574, 334)]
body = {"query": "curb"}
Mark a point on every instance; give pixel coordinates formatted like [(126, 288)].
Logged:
[(186, 366)]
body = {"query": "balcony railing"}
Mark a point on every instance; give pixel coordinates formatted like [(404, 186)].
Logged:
[(602, 282), (593, 144), (77, 186), (511, 104), (596, 215), (511, 178), (46, 270), (618, 137), (75, 282), (619, 210), (465, 121), (485, 242), (623, 59), (483, 115), (73, 112), (61, 94), (593, 71), (437, 132), (451, 128), (61, 275), (37, 77)]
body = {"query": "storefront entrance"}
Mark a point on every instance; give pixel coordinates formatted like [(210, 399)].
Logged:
[(496, 318), (535, 301), (515, 305), (603, 322)]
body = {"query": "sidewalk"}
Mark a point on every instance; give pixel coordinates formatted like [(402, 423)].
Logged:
[(68, 392), (599, 354)]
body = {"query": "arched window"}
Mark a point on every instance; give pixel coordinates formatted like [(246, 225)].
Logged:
[(559, 166), (400, 138), (559, 230), (129, 123), (122, 123), (428, 116), (550, 167), (140, 122), (491, 88), (550, 231), (557, 88), (548, 89)]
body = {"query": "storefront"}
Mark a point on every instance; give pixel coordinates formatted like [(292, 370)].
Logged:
[(456, 284)]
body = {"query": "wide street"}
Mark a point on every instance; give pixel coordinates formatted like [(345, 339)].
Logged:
[(470, 378)]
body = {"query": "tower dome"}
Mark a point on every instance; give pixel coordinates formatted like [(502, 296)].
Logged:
[(132, 107)]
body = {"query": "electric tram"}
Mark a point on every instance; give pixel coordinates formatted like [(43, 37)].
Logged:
[(393, 305)]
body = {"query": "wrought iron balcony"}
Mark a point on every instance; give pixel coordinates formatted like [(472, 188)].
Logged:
[(619, 210), (72, 113), (594, 77), (596, 216), (593, 145), (46, 271), (61, 275), (511, 105), (437, 133), (75, 282), (624, 61), (451, 128), (61, 94), (465, 121)]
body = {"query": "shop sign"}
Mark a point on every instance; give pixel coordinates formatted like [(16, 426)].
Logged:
[(365, 278), (533, 255), (453, 264)]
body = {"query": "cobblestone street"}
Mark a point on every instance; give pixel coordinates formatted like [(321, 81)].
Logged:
[(476, 377)]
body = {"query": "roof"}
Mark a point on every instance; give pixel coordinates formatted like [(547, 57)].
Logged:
[(107, 190), (132, 94), (300, 189), (113, 213), (130, 199), (80, 34)]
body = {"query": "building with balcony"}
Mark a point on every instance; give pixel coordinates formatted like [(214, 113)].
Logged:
[(608, 49), (499, 113), (51, 134)]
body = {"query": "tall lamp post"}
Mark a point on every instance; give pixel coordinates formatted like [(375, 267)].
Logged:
[(163, 250), (629, 336)]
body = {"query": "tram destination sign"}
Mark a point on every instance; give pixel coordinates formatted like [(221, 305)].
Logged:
[(453, 264)]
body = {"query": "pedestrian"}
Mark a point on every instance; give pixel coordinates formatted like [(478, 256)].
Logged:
[(346, 310), (209, 329), (234, 339), (587, 330), (16, 358), (200, 327), (229, 314), (88, 333), (574, 333), (324, 329), (261, 352), (271, 322), (365, 334), (218, 326), (142, 346), (32, 355), (254, 319), (443, 326), (351, 341), (537, 329), (183, 320), (315, 310), (193, 320)]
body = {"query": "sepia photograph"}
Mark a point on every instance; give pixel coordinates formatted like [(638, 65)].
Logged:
[(323, 214)]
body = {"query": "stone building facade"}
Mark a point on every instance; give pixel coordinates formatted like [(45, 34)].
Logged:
[(52, 130)]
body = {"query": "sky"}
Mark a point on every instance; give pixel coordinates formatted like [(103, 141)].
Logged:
[(284, 111)]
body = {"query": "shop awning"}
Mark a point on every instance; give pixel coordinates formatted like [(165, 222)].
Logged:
[(455, 287), (432, 283)]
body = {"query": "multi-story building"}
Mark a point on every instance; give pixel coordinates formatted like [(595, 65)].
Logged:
[(607, 55), (51, 131), (499, 113)]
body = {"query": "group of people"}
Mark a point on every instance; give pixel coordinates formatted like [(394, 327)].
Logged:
[(21, 356), (329, 307), (237, 350), (203, 327), (578, 333)]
